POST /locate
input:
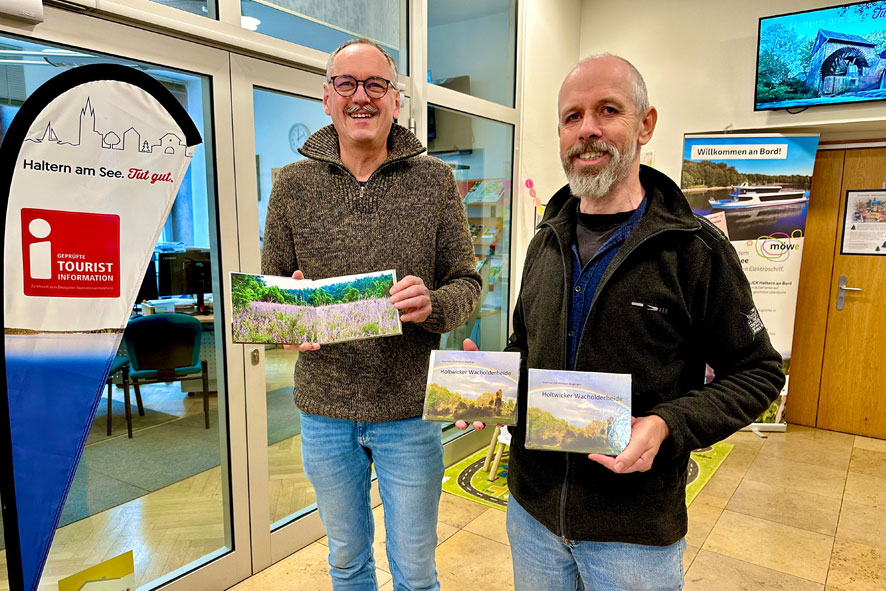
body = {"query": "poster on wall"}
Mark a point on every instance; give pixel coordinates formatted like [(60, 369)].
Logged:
[(89, 168), (755, 188), (864, 223)]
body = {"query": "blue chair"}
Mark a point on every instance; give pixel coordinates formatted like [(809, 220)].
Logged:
[(164, 348)]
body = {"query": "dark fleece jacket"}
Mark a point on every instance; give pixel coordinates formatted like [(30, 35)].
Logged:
[(699, 310), (407, 217)]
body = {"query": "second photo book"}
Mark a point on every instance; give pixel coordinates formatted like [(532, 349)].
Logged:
[(472, 386)]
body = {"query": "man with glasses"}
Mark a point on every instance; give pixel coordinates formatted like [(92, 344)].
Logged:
[(365, 199)]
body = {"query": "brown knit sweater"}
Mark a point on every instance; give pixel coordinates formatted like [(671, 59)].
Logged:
[(407, 217)]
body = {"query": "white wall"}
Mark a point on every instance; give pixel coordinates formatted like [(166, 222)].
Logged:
[(551, 48), (699, 58)]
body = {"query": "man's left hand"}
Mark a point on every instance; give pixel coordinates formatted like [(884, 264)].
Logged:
[(647, 434), (411, 295)]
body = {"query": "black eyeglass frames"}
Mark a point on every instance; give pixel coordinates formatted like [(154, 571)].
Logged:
[(374, 86)]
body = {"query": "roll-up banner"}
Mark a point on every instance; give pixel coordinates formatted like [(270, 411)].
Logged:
[(90, 167), (755, 188)]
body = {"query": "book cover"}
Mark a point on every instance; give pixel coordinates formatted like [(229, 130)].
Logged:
[(578, 411), (472, 386), (488, 191), (283, 310)]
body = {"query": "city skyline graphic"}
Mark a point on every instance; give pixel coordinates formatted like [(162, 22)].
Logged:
[(129, 141)]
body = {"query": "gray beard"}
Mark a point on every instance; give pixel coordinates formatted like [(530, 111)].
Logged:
[(594, 185)]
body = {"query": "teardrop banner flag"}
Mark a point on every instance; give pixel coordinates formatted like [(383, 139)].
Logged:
[(90, 168)]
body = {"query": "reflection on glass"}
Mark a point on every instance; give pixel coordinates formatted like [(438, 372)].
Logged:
[(160, 493), (207, 8), (282, 124), (326, 25), (472, 48), (480, 153)]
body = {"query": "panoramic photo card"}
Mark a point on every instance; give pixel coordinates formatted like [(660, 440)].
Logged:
[(578, 411), (283, 310), (472, 386)]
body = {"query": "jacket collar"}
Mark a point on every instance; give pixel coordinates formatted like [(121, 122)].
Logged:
[(666, 208), (323, 145)]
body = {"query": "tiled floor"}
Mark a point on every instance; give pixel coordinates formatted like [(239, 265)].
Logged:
[(802, 511)]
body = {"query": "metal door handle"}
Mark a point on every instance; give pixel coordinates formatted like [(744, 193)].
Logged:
[(255, 357), (842, 288)]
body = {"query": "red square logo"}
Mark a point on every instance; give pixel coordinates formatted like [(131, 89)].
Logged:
[(70, 254)]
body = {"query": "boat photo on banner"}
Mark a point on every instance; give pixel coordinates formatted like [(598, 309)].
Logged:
[(755, 189)]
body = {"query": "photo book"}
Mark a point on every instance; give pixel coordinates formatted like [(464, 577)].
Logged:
[(472, 386), (283, 310), (578, 411), (488, 191)]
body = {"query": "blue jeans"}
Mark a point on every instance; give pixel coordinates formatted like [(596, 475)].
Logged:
[(543, 560), (408, 456)]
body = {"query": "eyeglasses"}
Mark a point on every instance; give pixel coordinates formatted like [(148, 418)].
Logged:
[(375, 86)]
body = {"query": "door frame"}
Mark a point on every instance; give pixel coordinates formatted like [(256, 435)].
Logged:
[(305, 527), (243, 452), (223, 568), (247, 73), (815, 299)]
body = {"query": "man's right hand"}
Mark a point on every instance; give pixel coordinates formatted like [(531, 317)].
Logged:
[(647, 435), (469, 345), (304, 346)]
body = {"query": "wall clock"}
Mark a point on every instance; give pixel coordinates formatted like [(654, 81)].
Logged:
[(298, 133)]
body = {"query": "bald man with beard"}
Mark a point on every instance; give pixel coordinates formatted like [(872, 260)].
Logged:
[(622, 277)]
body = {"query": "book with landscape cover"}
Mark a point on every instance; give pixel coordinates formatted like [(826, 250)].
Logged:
[(578, 411), (472, 386), (283, 310), (487, 191)]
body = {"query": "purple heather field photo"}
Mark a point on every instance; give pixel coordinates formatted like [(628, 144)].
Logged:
[(283, 310)]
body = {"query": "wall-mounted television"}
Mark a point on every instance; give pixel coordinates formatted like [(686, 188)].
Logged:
[(822, 57)]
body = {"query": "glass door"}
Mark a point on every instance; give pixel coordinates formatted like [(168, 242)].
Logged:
[(275, 110), (166, 492)]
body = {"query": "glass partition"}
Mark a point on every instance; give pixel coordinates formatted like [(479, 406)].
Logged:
[(282, 124), (480, 152), (472, 48), (160, 492), (326, 25)]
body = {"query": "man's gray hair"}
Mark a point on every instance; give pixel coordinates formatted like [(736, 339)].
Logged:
[(638, 85), (364, 41)]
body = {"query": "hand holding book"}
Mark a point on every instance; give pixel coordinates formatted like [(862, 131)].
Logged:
[(303, 346), (469, 345), (647, 435), (412, 296)]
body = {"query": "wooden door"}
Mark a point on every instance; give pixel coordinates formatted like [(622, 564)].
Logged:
[(852, 396)]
